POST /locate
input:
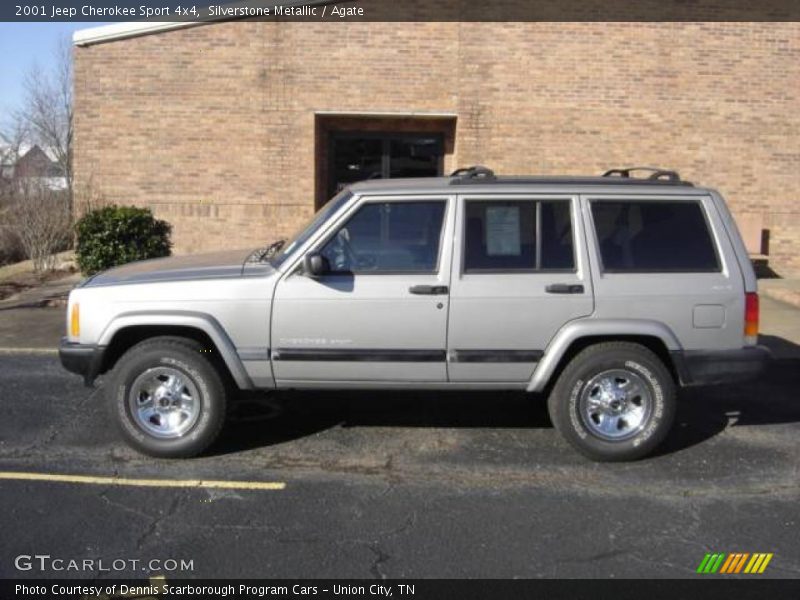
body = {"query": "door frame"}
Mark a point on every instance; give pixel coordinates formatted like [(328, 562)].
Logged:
[(506, 363), (386, 137), (405, 371)]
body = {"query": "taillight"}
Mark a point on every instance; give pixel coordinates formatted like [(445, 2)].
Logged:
[(751, 318)]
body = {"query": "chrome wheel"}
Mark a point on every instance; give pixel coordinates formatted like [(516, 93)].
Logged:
[(164, 402), (615, 405)]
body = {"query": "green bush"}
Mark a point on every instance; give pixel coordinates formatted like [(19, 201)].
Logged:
[(115, 235)]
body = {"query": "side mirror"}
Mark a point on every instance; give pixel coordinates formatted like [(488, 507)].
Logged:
[(315, 265)]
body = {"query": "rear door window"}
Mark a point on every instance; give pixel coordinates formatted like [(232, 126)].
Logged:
[(518, 235)]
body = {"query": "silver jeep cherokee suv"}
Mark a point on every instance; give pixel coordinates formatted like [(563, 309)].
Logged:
[(604, 293)]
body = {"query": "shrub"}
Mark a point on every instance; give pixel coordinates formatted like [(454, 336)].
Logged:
[(115, 235), (10, 246)]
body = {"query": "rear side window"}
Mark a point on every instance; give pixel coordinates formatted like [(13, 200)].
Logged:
[(518, 235), (654, 236)]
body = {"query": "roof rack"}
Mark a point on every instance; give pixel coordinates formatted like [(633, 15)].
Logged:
[(474, 172), (656, 174), (483, 175)]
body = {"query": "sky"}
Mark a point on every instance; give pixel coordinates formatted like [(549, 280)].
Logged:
[(25, 44)]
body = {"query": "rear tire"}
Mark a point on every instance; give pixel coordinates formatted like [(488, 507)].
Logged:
[(167, 399), (614, 401)]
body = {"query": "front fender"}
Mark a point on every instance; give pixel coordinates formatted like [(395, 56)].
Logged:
[(180, 318), (581, 328)]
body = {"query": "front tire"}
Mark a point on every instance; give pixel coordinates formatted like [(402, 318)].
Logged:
[(167, 399), (614, 401)]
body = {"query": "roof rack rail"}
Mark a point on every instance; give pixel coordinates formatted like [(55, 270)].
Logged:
[(475, 172), (656, 174)]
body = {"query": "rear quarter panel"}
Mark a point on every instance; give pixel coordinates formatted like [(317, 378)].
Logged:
[(705, 311)]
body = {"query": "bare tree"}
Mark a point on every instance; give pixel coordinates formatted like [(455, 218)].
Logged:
[(47, 110), (34, 216), (13, 140), (40, 219)]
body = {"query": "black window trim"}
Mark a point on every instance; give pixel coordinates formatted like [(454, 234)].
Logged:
[(363, 201), (519, 198), (297, 253), (386, 136), (697, 200)]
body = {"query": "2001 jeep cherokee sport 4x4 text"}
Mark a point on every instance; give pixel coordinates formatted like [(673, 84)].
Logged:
[(604, 293)]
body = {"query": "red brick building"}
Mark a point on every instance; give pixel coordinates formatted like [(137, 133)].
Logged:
[(235, 132)]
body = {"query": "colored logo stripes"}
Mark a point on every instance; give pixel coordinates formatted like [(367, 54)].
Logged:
[(736, 562)]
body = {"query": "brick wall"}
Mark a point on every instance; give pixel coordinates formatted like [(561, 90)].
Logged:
[(215, 127)]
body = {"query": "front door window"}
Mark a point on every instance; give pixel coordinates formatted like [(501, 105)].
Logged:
[(388, 237)]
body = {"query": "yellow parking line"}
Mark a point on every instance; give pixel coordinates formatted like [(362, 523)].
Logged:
[(171, 483)]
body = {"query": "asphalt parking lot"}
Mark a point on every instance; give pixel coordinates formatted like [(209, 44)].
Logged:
[(394, 485)]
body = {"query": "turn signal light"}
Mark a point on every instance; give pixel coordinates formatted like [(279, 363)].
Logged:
[(75, 321), (751, 318)]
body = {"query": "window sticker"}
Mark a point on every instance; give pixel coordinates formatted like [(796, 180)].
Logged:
[(502, 231)]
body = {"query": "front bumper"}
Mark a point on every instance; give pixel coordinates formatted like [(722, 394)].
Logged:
[(83, 359), (708, 367)]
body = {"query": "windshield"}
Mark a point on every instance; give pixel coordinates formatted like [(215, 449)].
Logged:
[(308, 229)]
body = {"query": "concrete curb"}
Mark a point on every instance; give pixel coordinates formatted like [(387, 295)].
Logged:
[(36, 351), (781, 294)]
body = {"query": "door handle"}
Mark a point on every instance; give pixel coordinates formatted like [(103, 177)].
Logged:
[(429, 290), (564, 288)]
